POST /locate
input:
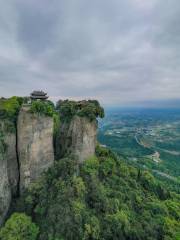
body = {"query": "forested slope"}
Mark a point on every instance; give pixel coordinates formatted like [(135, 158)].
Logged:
[(103, 199)]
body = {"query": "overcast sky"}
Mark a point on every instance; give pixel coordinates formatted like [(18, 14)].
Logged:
[(117, 51)]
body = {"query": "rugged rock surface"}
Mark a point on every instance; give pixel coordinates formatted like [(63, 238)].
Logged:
[(35, 145), (77, 137), (12, 163), (5, 190), (26, 150)]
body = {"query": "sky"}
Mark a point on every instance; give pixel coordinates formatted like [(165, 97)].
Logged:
[(121, 52)]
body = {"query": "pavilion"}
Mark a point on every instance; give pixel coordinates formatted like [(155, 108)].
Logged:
[(38, 95)]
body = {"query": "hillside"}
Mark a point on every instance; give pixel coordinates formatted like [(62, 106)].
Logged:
[(146, 138), (104, 199), (84, 197)]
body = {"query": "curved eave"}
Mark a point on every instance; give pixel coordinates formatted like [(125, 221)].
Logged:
[(39, 97), (38, 94)]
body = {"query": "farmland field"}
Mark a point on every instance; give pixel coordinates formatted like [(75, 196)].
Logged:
[(147, 138)]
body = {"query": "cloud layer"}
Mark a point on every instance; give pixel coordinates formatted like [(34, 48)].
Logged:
[(118, 51)]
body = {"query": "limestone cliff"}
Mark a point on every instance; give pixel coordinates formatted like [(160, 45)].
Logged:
[(5, 189), (26, 144), (24, 154), (35, 145), (77, 137), (12, 163), (8, 130)]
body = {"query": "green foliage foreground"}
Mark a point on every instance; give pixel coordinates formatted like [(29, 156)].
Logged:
[(104, 199), (19, 227)]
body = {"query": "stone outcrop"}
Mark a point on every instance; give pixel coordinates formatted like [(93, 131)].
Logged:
[(35, 146), (24, 154), (5, 189), (77, 137), (12, 162), (26, 150)]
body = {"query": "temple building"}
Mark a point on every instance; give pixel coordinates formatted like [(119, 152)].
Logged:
[(38, 95)]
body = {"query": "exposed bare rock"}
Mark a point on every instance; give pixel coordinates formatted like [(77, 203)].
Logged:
[(5, 190), (77, 137), (12, 163), (35, 146)]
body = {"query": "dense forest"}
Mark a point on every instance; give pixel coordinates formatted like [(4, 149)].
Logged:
[(104, 199)]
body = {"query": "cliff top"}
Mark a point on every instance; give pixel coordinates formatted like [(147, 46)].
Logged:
[(9, 108), (90, 109)]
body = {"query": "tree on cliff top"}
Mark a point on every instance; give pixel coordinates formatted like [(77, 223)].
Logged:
[(9, 108), (43, 107), (90, 109)]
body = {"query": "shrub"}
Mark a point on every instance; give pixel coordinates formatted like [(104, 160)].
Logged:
[(90, 109), (43, 107), (9, 108), (19, 227)]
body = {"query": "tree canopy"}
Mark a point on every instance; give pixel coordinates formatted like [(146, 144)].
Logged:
[(9, 108), (105, 199), (46, 108), (90, 109), (19, 227)]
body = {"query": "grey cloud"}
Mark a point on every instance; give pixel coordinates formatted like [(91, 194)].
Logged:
[(117, 51)]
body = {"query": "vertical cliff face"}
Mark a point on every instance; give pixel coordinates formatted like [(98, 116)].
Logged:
[(77, 137), (5, 189), (12, 163), (24, 154), (35, 146)]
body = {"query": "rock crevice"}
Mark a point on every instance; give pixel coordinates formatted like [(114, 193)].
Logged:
[(77, 137)]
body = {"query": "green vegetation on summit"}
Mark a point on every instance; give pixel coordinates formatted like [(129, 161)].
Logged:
[(9, 108), (46, 108), (90, 109)]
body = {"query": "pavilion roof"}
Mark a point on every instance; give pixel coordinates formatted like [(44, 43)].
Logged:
[(38, 93)]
